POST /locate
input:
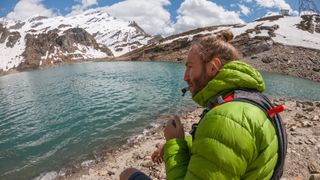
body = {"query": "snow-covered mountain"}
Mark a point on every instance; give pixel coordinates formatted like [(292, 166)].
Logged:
[(102, 36), (282, 44), (299, 31)]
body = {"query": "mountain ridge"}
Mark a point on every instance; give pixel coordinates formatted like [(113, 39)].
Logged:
[(281, 44), (109, 32)]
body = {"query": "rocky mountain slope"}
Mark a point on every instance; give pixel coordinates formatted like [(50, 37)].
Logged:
[(41, 40), (287, 45)]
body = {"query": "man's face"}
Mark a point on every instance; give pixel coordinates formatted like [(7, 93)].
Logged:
[(195, 74)]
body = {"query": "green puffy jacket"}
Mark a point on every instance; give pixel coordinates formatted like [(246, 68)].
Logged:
[(235, 140)]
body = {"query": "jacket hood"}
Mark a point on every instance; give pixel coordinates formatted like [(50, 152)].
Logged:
[(233, 75)]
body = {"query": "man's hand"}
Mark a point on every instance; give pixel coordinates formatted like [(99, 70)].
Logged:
[(157, 155), (173, 129)]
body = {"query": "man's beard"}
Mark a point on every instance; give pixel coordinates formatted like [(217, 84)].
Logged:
[(200, 83)]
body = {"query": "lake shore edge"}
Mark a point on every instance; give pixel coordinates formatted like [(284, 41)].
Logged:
[(259, 66)]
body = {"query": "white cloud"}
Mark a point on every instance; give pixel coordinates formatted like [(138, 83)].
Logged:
[(25, 9), (244, 9), (154, 18), (248, 1), (150, 15), (83, 5), (201, 13), (281, 4), (233, 5)]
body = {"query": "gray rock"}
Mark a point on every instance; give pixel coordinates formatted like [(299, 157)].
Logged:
[(314, 168), (299, 116), (299, 104), (306, 124), (310, 142), (309, 109), (315, 118), (147, 164), (111, 172), (293, 128), (296, 134), (308, 103), (314, 177), (138, 155), (267, 59), (316, 69), (299, 142)]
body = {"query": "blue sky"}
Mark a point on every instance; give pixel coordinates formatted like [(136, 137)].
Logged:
[(172, 16)]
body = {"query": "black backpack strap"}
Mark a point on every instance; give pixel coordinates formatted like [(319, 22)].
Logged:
[(260, 100), (195, 125)]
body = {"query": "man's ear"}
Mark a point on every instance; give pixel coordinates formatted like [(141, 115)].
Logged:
[(214, 66)]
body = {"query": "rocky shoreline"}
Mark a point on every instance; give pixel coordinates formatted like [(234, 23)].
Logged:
[(303, 128)]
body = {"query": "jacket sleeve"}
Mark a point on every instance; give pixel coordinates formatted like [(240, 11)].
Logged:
[(222, 149), (177, 156)]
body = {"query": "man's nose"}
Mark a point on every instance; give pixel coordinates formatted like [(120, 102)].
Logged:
[(186, 76)]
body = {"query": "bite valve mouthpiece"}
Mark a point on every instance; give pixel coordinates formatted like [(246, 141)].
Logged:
[(184, 91)]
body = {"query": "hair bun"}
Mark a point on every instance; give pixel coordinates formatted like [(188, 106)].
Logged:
[(225, 35)]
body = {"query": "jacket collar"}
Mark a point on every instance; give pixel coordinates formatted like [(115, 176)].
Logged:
[(233, 75)]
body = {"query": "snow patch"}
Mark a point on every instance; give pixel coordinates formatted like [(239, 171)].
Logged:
[(289, 34), (190, 36), (11, 57), (88, 52)]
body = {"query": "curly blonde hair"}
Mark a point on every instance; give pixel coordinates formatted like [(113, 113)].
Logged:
[(218, 46)]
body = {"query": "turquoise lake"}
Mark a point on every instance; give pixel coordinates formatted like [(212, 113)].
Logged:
[(53, 118)]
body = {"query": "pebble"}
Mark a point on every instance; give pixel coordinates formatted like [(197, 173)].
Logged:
[(293, 128), (306, 124), (315, 118), (308, 103), (296, 134), (314, 168), (310, 141), (103, 173), (147, 164), (314, 177), (111, 172), (309, 109), (299, 116), (267, 59), (299, 142)]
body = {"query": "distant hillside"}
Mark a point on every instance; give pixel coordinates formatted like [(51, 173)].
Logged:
[(282, 44)]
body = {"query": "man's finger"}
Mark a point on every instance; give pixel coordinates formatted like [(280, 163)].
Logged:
[(177, 120), (173, 122)]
